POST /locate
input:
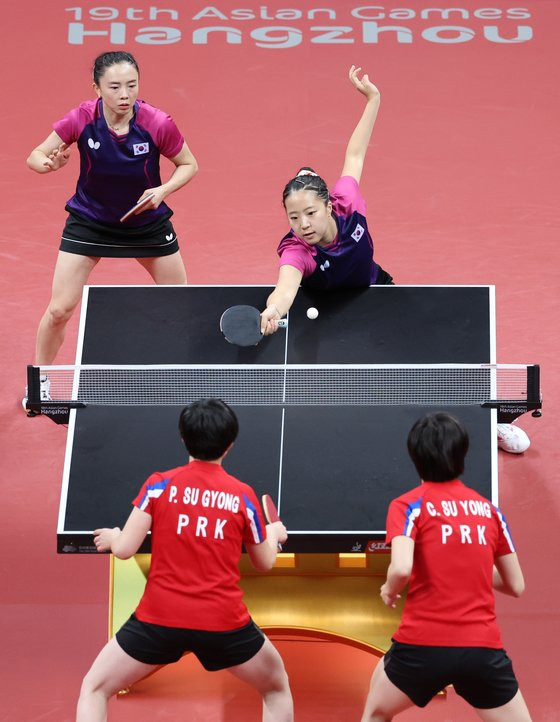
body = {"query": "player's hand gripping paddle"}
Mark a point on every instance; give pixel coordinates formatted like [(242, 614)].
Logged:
[(141, 203), (270, 512), (241, 325)]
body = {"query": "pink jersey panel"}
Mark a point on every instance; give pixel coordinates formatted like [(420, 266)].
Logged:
[(162, 129), (346, 197), (70, 127)]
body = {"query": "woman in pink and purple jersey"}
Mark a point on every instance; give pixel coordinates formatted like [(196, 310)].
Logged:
[(329, 245), (120, 140)]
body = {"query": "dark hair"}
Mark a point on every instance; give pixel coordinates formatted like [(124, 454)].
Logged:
[(105, 60), (438, 444), (309, 181), (208, 427)]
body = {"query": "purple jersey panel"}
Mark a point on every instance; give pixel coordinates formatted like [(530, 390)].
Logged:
[(115, 170)]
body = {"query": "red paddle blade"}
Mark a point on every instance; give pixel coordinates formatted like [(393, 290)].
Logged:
[(241, 325), (269, 508), (136, 206)]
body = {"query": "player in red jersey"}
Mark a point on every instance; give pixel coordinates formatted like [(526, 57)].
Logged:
[(199, 517), (452, 547)]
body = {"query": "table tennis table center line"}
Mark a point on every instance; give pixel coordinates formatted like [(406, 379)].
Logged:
[(279, 505), (286, 358), (283, 413)]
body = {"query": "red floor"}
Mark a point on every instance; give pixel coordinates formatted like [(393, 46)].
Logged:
[(462, 188)]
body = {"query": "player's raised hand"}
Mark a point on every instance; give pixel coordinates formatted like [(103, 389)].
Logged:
[(103, 538), (363, 84), (58, 158)]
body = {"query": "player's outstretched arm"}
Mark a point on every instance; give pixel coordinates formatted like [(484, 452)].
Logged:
[(280, 300), (508, 576), (399, 571), (124, 544), (50, 155), (359, 140), (263, 555)]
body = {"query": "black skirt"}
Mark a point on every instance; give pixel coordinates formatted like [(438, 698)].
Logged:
[(88, 238)]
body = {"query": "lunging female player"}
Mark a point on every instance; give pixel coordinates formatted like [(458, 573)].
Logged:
[(120, 140), (329, 245)]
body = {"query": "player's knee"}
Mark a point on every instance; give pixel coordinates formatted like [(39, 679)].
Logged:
[(87, 687), (283, 681), (279, 681), (59, 313), (373, 713), (91, 686)]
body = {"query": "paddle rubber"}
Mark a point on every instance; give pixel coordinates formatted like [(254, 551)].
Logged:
[(270, 512), (241, 325)]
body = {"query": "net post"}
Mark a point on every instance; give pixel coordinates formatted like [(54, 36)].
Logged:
[(33, 389), (534, 387)]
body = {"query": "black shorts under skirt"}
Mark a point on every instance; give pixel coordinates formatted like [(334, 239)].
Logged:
[(156, 644), (484, 677), (88, 238)]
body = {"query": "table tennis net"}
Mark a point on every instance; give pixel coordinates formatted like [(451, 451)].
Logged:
[(255, 385)]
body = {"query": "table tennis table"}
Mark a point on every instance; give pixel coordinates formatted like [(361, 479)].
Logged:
[(331, 468)]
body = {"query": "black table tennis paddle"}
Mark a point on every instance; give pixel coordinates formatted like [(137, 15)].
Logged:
[(241, 325)]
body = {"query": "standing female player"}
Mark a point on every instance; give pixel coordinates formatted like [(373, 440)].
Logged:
[(120, 140), (200, 517), (452, 547), (329, 245)]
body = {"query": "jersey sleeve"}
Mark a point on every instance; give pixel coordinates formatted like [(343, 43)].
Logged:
[(70, 127), (346, 197), (151, 490), (293, 252), (162, 128), (255, 531), (402, 518), (505, 541), (170, 140)]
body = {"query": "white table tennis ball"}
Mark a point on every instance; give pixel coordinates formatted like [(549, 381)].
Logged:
[(312, 313)]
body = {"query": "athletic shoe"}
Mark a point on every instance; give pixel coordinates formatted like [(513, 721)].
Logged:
[(512, 439)]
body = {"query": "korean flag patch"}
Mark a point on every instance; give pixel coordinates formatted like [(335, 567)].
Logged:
[(140, 148), (358, 232)]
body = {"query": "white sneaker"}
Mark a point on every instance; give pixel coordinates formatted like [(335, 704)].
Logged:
[(512, 439)]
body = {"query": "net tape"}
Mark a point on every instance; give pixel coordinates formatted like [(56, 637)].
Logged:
[(255, 385)]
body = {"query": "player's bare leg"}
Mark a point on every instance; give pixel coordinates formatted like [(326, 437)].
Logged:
[(165, 270), (265, 672), (514, 711), (70, 275), (112, 671), (384, 700)]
